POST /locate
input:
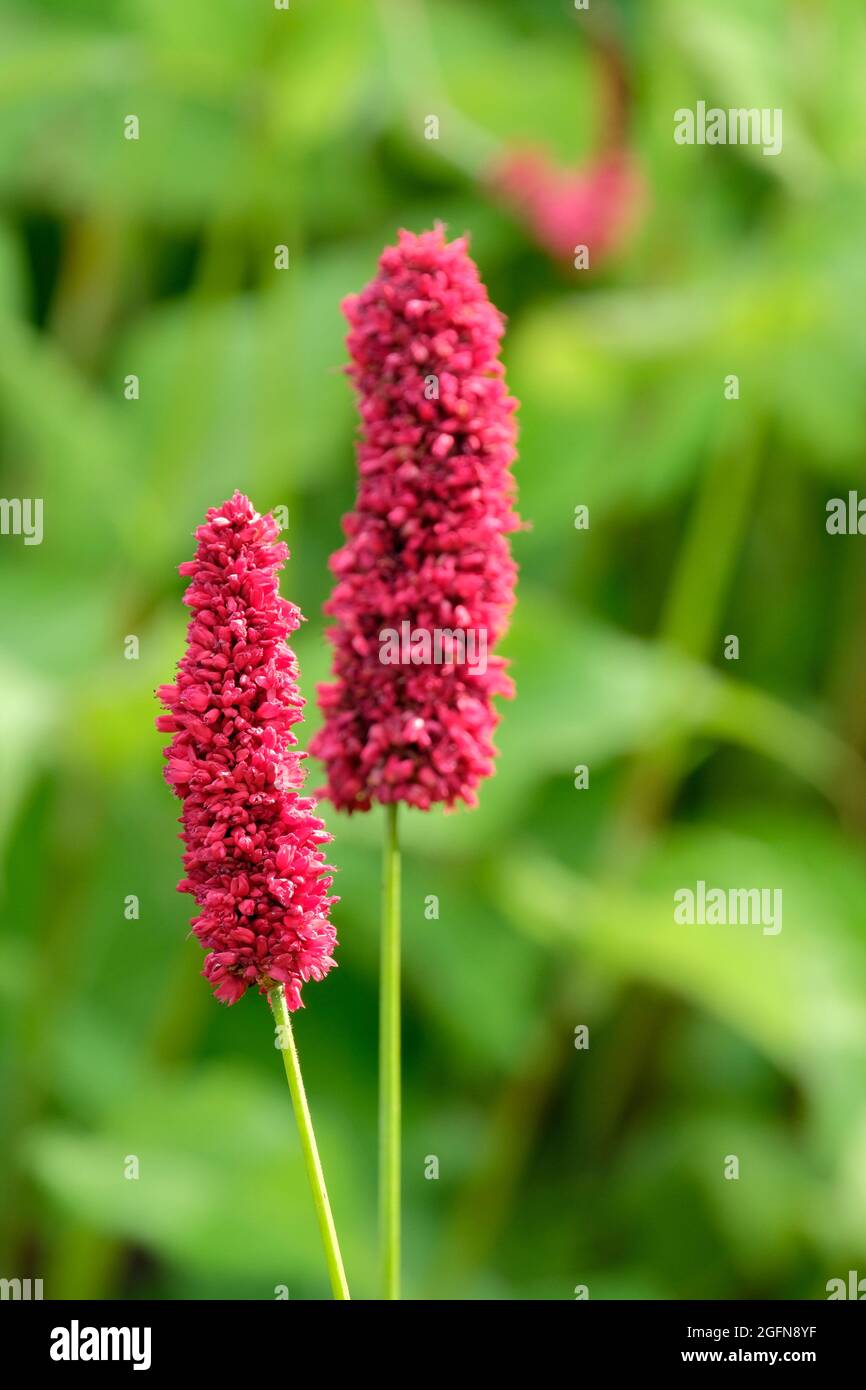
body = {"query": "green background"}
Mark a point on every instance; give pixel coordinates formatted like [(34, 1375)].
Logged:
[(558, 1167)]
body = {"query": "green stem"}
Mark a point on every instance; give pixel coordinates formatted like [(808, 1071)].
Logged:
[(333, 1258), (389, 1063)]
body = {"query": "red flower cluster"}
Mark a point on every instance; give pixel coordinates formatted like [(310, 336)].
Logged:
[(426, 549), (563, 208), (253, 857)]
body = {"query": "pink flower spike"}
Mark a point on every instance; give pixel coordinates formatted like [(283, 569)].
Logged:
[(253, 841), (425, 581)]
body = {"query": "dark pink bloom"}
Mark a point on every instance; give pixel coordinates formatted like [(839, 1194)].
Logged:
[(563, 208), (253, 855), (426, 566)]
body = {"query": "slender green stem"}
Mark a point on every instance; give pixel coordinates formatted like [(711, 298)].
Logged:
[(286, 1038), (389, 1063)]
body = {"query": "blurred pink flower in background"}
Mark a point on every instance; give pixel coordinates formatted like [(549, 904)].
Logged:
[(596, 206)]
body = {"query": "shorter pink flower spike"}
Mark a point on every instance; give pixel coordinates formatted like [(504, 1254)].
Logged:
[(253, 859), (595, 206)]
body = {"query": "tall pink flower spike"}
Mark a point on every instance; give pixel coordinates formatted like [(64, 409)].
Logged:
[(427, 542), (253, 859)]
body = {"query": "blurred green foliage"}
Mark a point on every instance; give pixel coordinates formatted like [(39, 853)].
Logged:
[(558, 1167)]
